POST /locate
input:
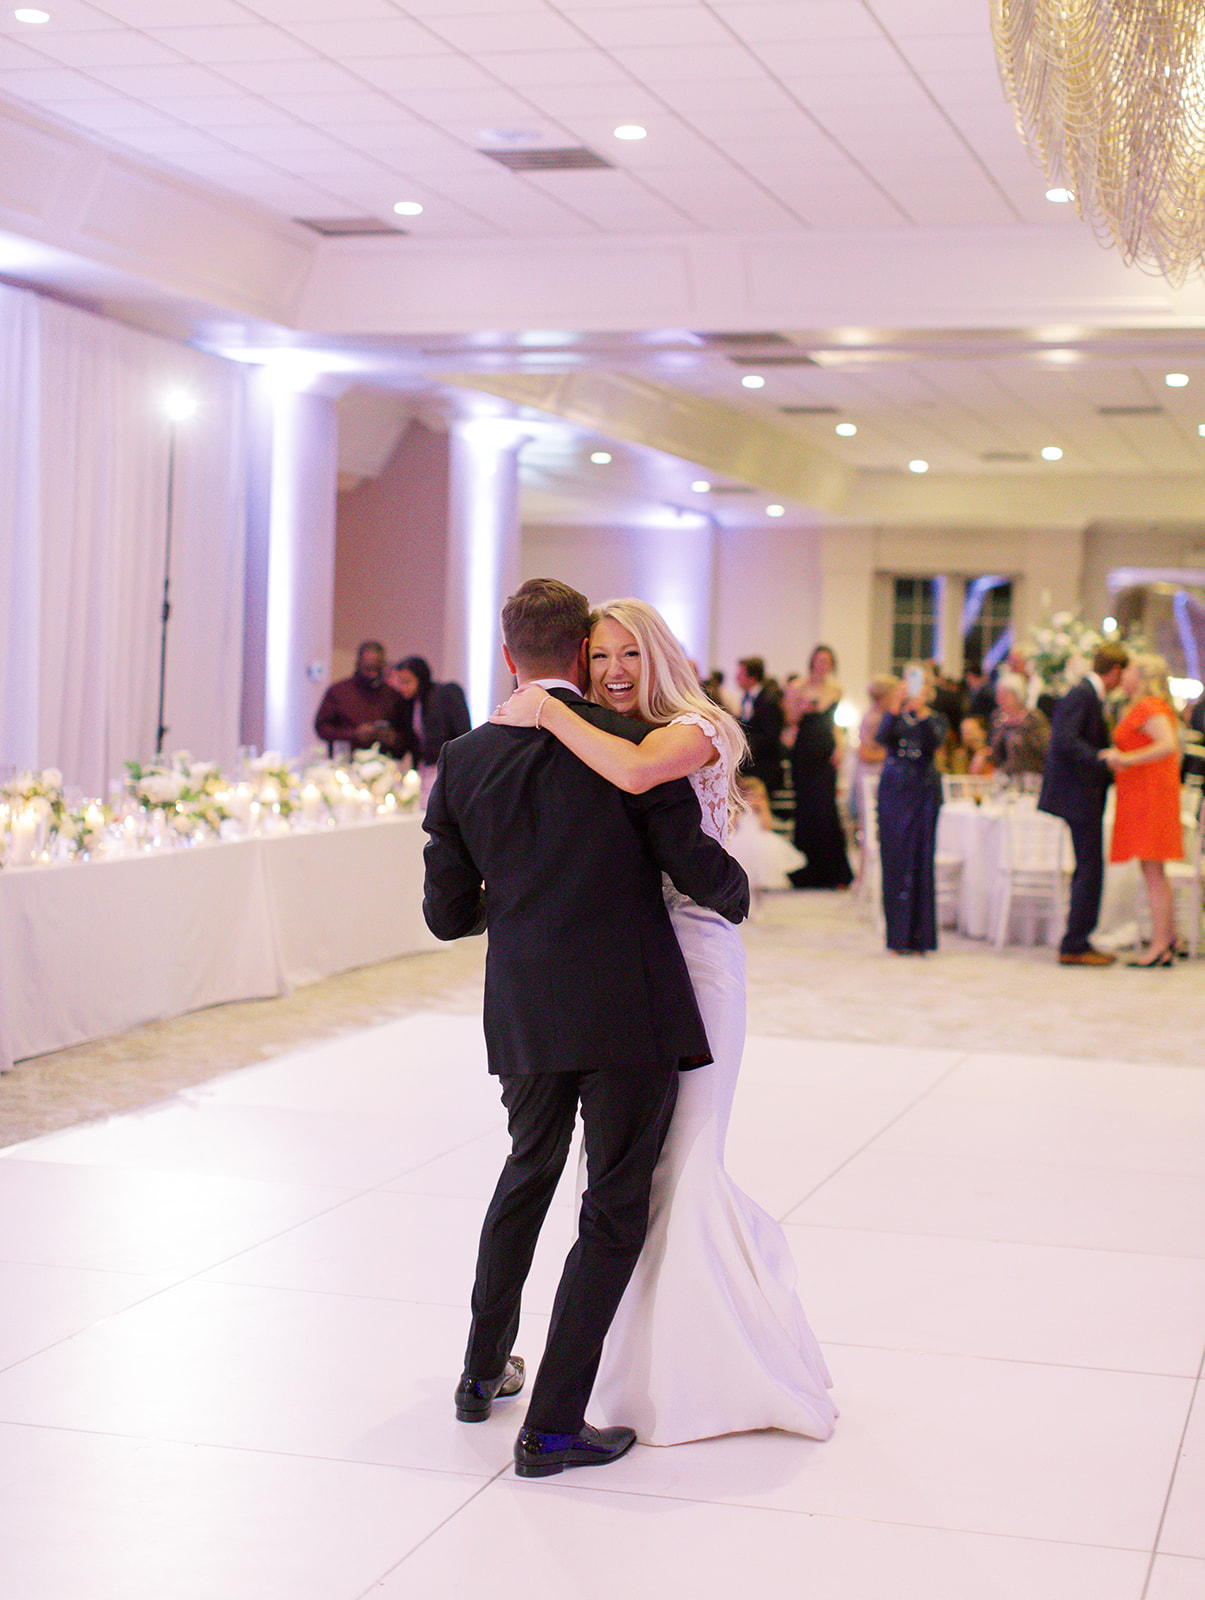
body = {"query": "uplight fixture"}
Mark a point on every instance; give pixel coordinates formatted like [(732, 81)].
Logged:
[(408, 208), (846, 429), (179, 406), (28, 14), (1051, 452), (601, 458), (776, 511), (918, 466), (1176, 380), (701, 486), (752, 381), (631, 130)]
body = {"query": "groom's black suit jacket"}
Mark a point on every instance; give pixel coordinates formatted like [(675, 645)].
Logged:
[(583, 971)]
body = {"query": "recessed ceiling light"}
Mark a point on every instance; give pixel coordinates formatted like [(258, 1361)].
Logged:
[(1109, 625), (600, 458), (918, 466), (1201, 429), (752, 381), (1176, 380), (1060, 197), (408, 208), (26, 14), (631, 130), (1051, 452), (846, 429), (701, 486), (776, 511)]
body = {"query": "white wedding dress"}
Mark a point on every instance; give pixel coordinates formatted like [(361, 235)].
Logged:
[(710, 1337)]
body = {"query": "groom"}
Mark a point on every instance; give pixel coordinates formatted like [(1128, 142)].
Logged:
[(588, 1004)]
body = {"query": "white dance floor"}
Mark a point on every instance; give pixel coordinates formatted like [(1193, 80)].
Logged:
[(232, 1326)]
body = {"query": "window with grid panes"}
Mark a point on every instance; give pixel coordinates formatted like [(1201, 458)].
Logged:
[(913, 621)]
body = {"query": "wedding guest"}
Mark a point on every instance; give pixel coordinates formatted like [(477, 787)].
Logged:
[(429, 715), (1145, 759), (976, 752), (762, 721), (1075, 781), (1019, 736), (978, 692), (810, 711), (909, 801), (362, 710)]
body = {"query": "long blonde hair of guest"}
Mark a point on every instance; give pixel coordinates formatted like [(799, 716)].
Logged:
[(669, 687), (1152, 677)]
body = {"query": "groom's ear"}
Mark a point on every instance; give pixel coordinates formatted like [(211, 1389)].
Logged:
[(508, 658), (583, 657)]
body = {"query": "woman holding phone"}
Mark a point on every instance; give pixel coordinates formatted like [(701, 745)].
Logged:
[(909, 800)]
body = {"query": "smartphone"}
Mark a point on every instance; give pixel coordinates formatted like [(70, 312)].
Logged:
[(914, 682)]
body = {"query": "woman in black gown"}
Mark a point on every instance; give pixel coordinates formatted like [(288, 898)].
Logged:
[(909, 800), (812, 709)]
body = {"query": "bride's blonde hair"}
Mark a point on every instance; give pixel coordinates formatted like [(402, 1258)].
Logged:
[(669, 686)]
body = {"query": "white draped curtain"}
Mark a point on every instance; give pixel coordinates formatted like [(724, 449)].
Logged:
[(84, 445)]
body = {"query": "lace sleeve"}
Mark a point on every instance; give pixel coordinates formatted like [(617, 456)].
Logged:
[(710, 783)]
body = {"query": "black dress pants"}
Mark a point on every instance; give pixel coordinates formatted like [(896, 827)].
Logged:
[(1087, 881), (625, 1117)]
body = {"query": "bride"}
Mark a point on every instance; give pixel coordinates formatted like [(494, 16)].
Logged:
[(710, 1337)]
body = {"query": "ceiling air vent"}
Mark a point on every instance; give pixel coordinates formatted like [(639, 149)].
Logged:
[(797, 360), (725, 341), (348, 227), (1005, 455), (573, 160), (1129, 411), (733, 488), (810, 411)]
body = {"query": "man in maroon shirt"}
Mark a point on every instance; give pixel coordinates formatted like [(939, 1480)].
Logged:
[(362, 710)]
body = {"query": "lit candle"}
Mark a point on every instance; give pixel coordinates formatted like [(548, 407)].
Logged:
[(25, 829), (311, 804)]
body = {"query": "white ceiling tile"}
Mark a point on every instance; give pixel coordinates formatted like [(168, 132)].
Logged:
[(398, 75), (533, 29), (15, 54), (278, 140), (272, 78), (159, 83), (347, 37), (35, 84), (949, 52), (776, 21), (751, 95), (670, 143), (861, 92), (166, 143), (413, 146), (173, 13), (621, 102), (675, 25), (534, 68), (326, 109), (610, 197), (772, 125), (695, 63), (111, 47), (823, 58), (471, 8), (228, 110), (71, 16), (310, 10), (850, 202), (713, 195), (479, 107), (512, 204), (336, 164), (903, 18), (253, 42), (973, 87), (117, 116)]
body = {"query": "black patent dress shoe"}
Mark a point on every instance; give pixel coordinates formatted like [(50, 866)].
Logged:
[(475, 1396), (539, 1455)]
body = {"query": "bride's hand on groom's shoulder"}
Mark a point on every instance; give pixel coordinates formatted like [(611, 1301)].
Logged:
[(521, 710)]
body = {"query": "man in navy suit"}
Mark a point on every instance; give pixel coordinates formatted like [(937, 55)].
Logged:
[(588, 1003), (1075, 781)]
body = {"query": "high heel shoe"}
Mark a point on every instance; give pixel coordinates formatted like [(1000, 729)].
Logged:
[(1161, 958)]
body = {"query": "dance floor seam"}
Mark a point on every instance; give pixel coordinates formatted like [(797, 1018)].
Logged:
[(234, 1321)]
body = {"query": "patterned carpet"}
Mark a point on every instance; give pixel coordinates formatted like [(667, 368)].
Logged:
[(816, 971)]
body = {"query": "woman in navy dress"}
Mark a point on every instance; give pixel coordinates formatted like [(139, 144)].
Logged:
[(909, 800)]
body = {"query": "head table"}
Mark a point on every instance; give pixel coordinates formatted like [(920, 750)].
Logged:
[(93, 948)]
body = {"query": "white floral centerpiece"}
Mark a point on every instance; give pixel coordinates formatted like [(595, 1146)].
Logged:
[(276, 782), (84, 827), (36, 791), (1060, 650), (367, 784), (188, 792)]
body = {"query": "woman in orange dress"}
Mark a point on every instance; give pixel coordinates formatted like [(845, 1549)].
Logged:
[(1146, 765)]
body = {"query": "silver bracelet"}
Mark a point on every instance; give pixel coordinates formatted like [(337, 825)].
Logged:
[(540, 708)]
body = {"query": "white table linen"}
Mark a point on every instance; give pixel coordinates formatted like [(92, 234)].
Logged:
[(92, 949)]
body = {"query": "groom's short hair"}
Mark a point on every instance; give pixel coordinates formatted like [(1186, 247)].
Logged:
[(544, 623)]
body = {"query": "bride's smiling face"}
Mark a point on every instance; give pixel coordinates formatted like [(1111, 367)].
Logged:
[(615, 667)]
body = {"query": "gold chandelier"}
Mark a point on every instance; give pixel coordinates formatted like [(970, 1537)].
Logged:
[(1110, 96)]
